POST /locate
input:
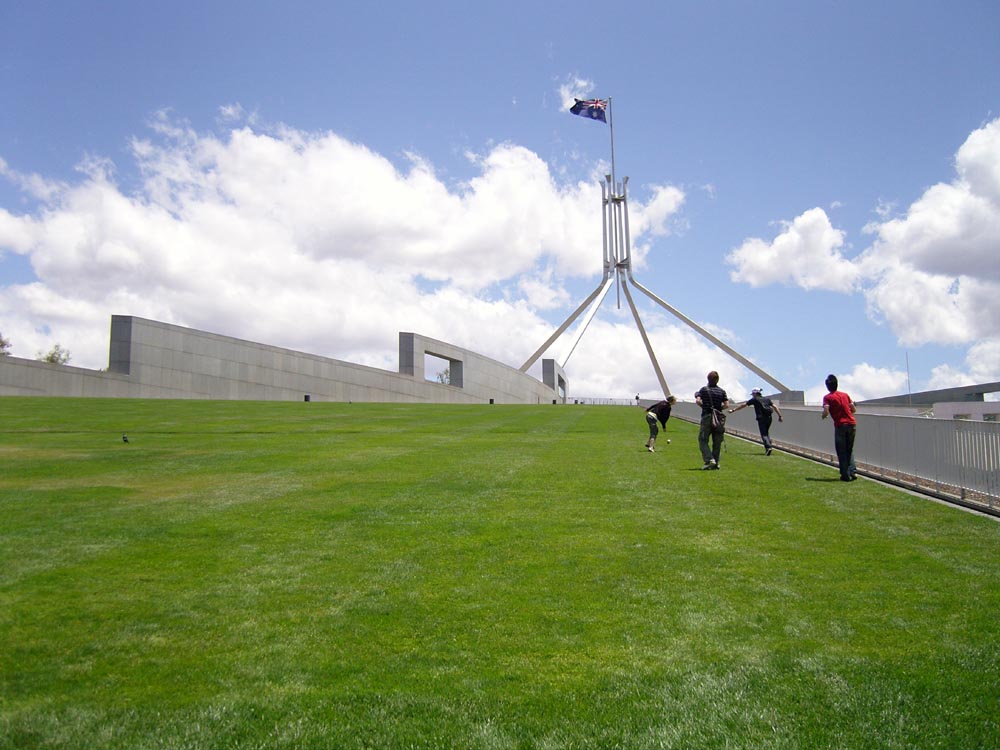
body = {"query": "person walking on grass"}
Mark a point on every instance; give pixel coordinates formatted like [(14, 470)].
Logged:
[(658, 412), (841, 408), (713, 401), (764, 407)]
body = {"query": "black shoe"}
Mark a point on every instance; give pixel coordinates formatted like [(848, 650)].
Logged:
[(768, 451)]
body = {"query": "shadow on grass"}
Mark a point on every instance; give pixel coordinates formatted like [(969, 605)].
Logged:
[(822, 479)]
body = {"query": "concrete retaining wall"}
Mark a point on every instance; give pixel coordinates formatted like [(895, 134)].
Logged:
[(149, 359)]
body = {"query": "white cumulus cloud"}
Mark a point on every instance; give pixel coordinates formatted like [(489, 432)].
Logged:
[(863, 382), (982, 365), (305, 240), (932, 274), (807, 253)]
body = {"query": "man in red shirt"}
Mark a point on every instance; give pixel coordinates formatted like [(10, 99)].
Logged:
[(839, 405)]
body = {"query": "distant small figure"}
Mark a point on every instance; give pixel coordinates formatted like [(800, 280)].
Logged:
[(764, 408), (658, 412), (841, 407), (124, 438), (713, 400)]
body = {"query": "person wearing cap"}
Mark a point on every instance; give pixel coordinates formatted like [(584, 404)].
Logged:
[(658, 412), (764, 408)]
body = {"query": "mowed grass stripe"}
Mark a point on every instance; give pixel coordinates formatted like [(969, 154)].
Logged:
[(376, 575)]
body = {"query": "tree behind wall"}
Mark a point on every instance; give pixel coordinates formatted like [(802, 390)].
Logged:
[(4, 346), (56, 356)]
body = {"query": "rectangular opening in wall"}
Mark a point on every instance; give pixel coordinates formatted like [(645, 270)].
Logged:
[(437, 369)]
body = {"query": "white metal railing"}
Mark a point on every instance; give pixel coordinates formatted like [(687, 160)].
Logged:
[(952, 459), (592, 401)]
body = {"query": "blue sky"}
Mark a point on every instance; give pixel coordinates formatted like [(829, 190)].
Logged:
[(818, 184)]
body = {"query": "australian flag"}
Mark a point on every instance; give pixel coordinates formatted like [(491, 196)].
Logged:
[(592, 108)]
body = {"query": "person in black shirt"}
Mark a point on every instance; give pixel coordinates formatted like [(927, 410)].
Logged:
[(764, 408), (713, 400), (658, 412)]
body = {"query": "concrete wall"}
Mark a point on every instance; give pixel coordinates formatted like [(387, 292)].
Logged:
[(149, 359), (555, 378), (976, 392), (477, 376), (981, 411), (26, 377)]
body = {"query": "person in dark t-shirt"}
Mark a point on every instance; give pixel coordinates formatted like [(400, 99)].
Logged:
[(658, 412), (713, 400), (764, 408)]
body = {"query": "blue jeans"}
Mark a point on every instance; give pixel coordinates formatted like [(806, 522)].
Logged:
[(843, 441)]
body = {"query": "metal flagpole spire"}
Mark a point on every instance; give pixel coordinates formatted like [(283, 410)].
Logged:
[(611, 127), (618, 266)]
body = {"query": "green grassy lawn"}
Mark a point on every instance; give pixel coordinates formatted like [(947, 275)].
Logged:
[(315, 575)]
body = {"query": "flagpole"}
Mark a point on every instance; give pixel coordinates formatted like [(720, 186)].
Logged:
[(611, 125)]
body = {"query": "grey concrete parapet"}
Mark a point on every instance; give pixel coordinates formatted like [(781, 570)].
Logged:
[(150, 359), (554, 377)]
